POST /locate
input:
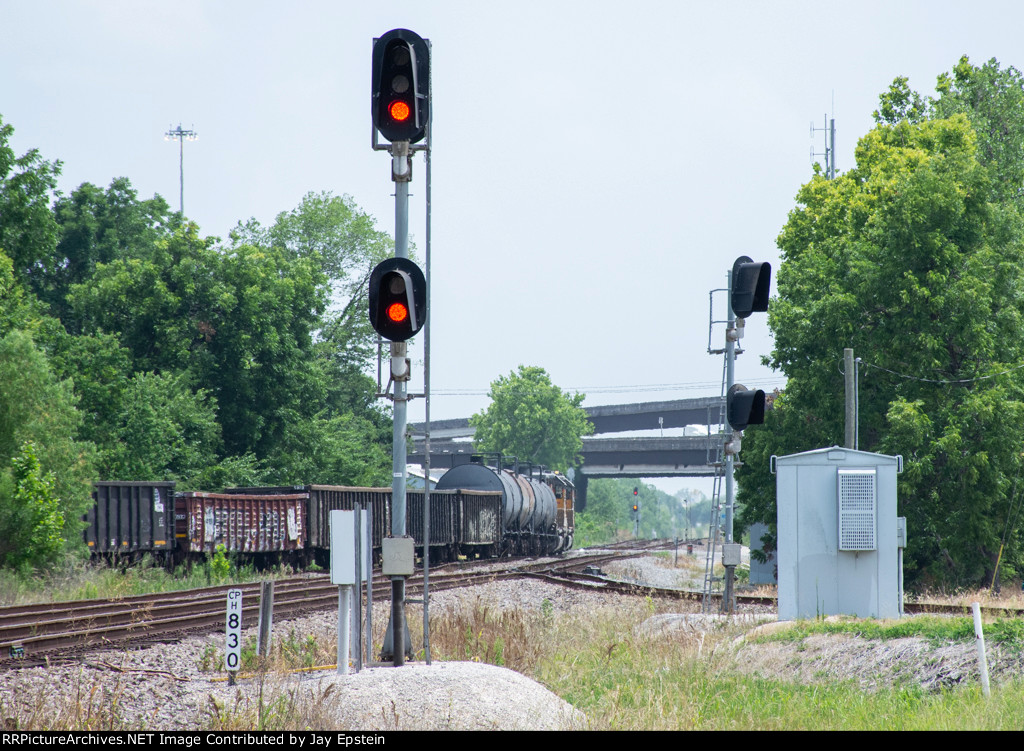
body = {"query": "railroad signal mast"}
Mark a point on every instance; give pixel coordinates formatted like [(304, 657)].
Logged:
[(634, 510), (748, 293), (400, 110)]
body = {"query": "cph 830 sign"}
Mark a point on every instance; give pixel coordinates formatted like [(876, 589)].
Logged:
[(233, 631)]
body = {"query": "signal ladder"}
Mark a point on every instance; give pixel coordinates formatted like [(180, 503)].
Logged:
[(714, 586)]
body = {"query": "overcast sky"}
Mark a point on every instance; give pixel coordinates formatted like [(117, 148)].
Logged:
[(597, 166)]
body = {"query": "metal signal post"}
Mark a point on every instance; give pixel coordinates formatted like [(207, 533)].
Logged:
[(748, 292), (400, 110)]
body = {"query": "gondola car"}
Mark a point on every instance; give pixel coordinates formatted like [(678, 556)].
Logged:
[(475, 511)]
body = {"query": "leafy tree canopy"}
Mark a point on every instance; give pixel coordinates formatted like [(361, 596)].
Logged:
[(164, 430), (991, 97), (133, 348), (531, 418), (345, 244), (28, 230), (914, 259), (240, 323), (98, 227)]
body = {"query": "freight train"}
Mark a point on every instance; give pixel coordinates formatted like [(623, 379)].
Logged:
[(476, 511)]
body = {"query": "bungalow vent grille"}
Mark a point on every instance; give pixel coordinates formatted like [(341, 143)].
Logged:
[(858, 506)]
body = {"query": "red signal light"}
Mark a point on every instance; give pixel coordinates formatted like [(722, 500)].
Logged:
[(399, 111), (398, 312)]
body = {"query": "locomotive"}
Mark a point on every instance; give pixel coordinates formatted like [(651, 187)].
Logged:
[(476, 510)]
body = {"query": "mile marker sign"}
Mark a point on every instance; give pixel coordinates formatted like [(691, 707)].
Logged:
[(233, 631)]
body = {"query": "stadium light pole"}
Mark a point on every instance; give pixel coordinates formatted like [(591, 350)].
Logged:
[(180, 135)]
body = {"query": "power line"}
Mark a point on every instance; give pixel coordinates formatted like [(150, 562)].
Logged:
[(944, 382)]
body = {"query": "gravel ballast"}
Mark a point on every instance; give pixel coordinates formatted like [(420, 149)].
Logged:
[(163, 688)]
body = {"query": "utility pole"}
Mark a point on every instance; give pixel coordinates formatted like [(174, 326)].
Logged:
[(180, 135), (851, 412)]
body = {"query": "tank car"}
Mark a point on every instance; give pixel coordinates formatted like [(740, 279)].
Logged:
[(536, 508)]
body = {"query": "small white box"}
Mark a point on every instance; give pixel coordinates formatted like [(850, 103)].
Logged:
[(343, 545), (731, 554), (398, 556)]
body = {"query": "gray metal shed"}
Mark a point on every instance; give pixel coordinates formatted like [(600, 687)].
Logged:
[(838, 540)]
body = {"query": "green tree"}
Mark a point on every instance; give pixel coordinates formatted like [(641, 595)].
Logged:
[(245, 324), (38, 408), (28, 230), (17, 310), (531, 418), (912, 259), (342, 450), (241, 323), (607, 516), (992, 98), (31, 520), (165, 431), (101, 371), (343, 241), (98, 227)]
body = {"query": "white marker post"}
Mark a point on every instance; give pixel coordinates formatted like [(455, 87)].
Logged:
[(979, 640), (233, 635), (343, 573)]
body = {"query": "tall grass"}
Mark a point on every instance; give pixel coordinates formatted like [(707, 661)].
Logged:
[(601, 664), (936, 629), (83, 580), (84, 705), (275, 705)]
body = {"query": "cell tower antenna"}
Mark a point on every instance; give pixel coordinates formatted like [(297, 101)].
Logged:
[(830, 143)]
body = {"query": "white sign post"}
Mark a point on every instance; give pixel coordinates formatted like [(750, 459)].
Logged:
[(347, 574), (233, 635), (343, 573)]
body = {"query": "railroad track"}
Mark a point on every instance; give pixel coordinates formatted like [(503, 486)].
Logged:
[(35, 634)]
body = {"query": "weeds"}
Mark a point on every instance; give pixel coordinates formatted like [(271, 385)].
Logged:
[(936, 630), (84, 706), (597, 660), (482, 633), (220, 566), (82, 580), (290, 653), (275, 707)]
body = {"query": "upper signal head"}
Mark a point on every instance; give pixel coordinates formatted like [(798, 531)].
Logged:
[(400, 87)]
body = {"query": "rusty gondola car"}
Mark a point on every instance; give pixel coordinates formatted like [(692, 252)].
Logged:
[(267, 528)]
